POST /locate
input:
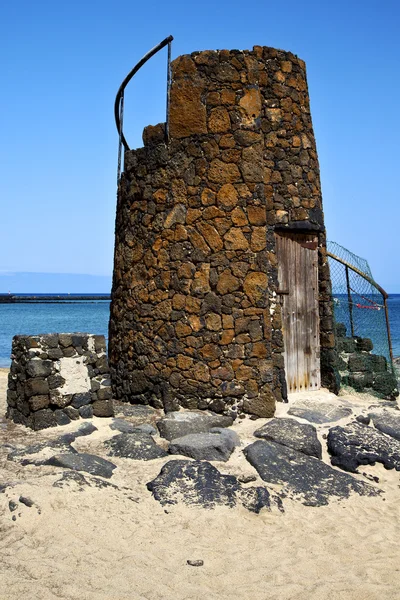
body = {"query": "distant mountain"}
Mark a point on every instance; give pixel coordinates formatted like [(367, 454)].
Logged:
[(54, 283)]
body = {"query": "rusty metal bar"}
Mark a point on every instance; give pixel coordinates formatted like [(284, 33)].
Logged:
[(349, 300), (168, 91), (388, 331), (127, 79)]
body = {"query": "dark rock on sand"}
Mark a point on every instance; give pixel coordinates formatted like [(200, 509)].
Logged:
[(63, 442), (357, 444), (27, 501), (388, 422), (177, 424), (122, 426), (197, 483), (137, 445), (95, 465), (291, 433), (204, 446), (319, 412), (302, 477)]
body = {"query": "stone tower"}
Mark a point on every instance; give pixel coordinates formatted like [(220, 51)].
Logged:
[(196, 306)]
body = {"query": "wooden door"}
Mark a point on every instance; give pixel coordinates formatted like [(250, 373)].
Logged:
[(297, 256)]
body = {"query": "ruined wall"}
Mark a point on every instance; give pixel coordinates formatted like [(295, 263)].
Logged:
[(58, 377), (195, 319)]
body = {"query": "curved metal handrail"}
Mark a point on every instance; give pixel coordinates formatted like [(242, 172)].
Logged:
[(120, 93)]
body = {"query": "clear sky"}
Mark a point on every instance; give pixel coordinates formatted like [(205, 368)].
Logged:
[(62, 64)]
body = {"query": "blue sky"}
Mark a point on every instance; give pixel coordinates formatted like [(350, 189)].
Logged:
[(62, 63)]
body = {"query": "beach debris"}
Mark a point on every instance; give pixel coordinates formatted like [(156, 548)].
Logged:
[(319, 412), (291, 433), (27, 501), (195, 563), (388, 422), (95, 465), (358, 444), (137, 445), (198, 483), (178, 423), (302, 477), (364, 419), (12, 505), (204, 446), (247, 478)]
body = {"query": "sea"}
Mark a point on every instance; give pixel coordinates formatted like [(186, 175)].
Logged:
[(92, 316)]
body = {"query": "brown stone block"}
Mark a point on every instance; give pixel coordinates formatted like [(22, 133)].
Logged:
[(39, 402), (178, 301), (258, 239), (212, 212), (227, 196), (225, 373), (239, 217), (221, 172), (227, 141), (187, 114), (228, 97), (252, 165), (213, 322), (201, 372), (227, 283), (262, 405), (227, 322), (223, 224), (219, 121), (195, 322), (192, 304), (235, 240), (198, 240), (257, 215), (201, 281), (210, 351), (211, 235), (255, 286), (227, 337), (208, 197), (184, 362), (182, 330), (240, 269)]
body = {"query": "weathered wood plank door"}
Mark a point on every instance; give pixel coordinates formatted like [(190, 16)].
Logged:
[(297, 256)]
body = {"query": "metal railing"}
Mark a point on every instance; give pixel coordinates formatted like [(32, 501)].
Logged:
[(119, 99), (358, 296)]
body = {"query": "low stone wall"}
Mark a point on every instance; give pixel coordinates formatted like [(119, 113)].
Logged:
[(361, 369), (58, 377)]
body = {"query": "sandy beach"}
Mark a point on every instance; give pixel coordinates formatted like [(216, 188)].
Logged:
[(119, 543)]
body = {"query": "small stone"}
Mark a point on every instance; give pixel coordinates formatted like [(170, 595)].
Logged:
[(247, 478), (86, 412), (103, 408), (12, 506), (27, 501), (195, 563), (71, 412), (39, 368)]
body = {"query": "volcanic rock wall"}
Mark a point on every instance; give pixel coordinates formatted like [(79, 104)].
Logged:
[(58, 377), (195, 318)]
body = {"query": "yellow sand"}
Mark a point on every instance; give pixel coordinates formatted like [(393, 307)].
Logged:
[(121, 544)]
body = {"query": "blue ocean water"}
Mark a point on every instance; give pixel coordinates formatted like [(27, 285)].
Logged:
[(31, 319), (92, 317)]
